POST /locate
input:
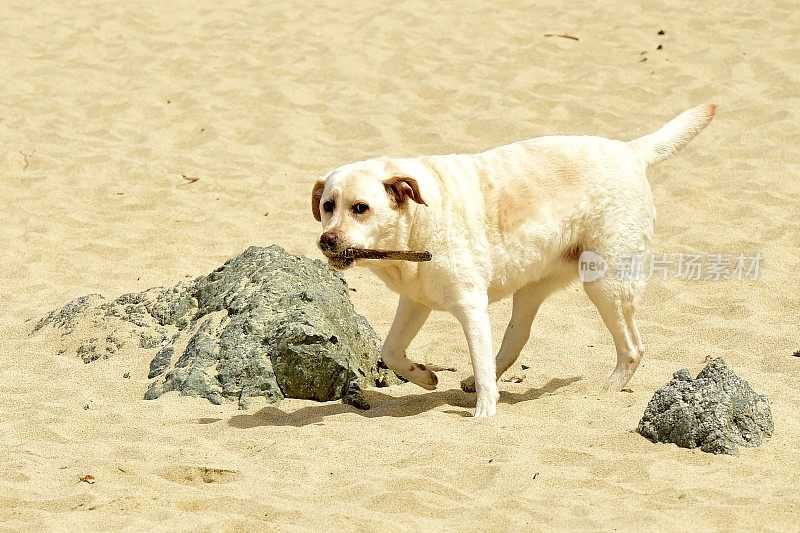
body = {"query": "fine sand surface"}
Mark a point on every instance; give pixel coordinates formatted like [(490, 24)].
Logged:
[(104, 109)]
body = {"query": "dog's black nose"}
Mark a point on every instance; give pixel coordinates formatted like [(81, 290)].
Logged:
[(328, 241)]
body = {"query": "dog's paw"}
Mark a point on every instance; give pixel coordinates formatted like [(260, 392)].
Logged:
[(621, 375), (468, 385), (485, 408), (421, 375), (485, 412)]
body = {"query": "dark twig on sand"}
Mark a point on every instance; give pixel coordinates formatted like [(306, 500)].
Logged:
[(189, 179), (440, 368), (797, 353), (25, 157), (563, 35)]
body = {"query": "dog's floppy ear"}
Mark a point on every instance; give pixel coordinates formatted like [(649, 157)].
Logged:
[(316, 196), (401, 188)]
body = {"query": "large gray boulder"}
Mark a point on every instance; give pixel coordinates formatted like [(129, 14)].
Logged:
[(717, 412), (265, 323)]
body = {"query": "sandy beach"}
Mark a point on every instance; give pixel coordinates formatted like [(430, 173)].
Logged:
[(145, 144)]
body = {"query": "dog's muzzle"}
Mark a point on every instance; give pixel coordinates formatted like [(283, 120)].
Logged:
[(331, 247), (329, 242)]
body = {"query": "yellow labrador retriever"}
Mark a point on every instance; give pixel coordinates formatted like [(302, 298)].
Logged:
[(513, 220)]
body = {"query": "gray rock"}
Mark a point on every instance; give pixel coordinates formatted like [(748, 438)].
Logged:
[(95, 328), (265, 323), (161, 361), (717, 412)]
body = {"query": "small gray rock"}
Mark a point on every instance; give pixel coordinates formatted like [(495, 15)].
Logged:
[(717, 412), (265, 323)]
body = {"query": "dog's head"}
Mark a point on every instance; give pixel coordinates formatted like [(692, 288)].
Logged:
[(362, 205)]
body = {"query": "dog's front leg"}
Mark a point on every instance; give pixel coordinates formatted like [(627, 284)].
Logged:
[(474, 318), (408, 320)]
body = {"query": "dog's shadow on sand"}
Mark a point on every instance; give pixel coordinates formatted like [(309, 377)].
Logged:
[(384, 405)]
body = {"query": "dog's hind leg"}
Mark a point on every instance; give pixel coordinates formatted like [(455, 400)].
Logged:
[(408, 320), (616, 300)]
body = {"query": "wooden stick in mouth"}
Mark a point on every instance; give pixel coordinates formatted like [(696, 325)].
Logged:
[(402, 255)]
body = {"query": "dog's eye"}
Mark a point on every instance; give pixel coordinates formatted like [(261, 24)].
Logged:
[(329, 206), (360, 208)]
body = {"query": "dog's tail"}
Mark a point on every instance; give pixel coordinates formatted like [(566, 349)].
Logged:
[(660, 144)]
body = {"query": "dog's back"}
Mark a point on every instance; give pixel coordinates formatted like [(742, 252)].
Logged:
[(528, 209)]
